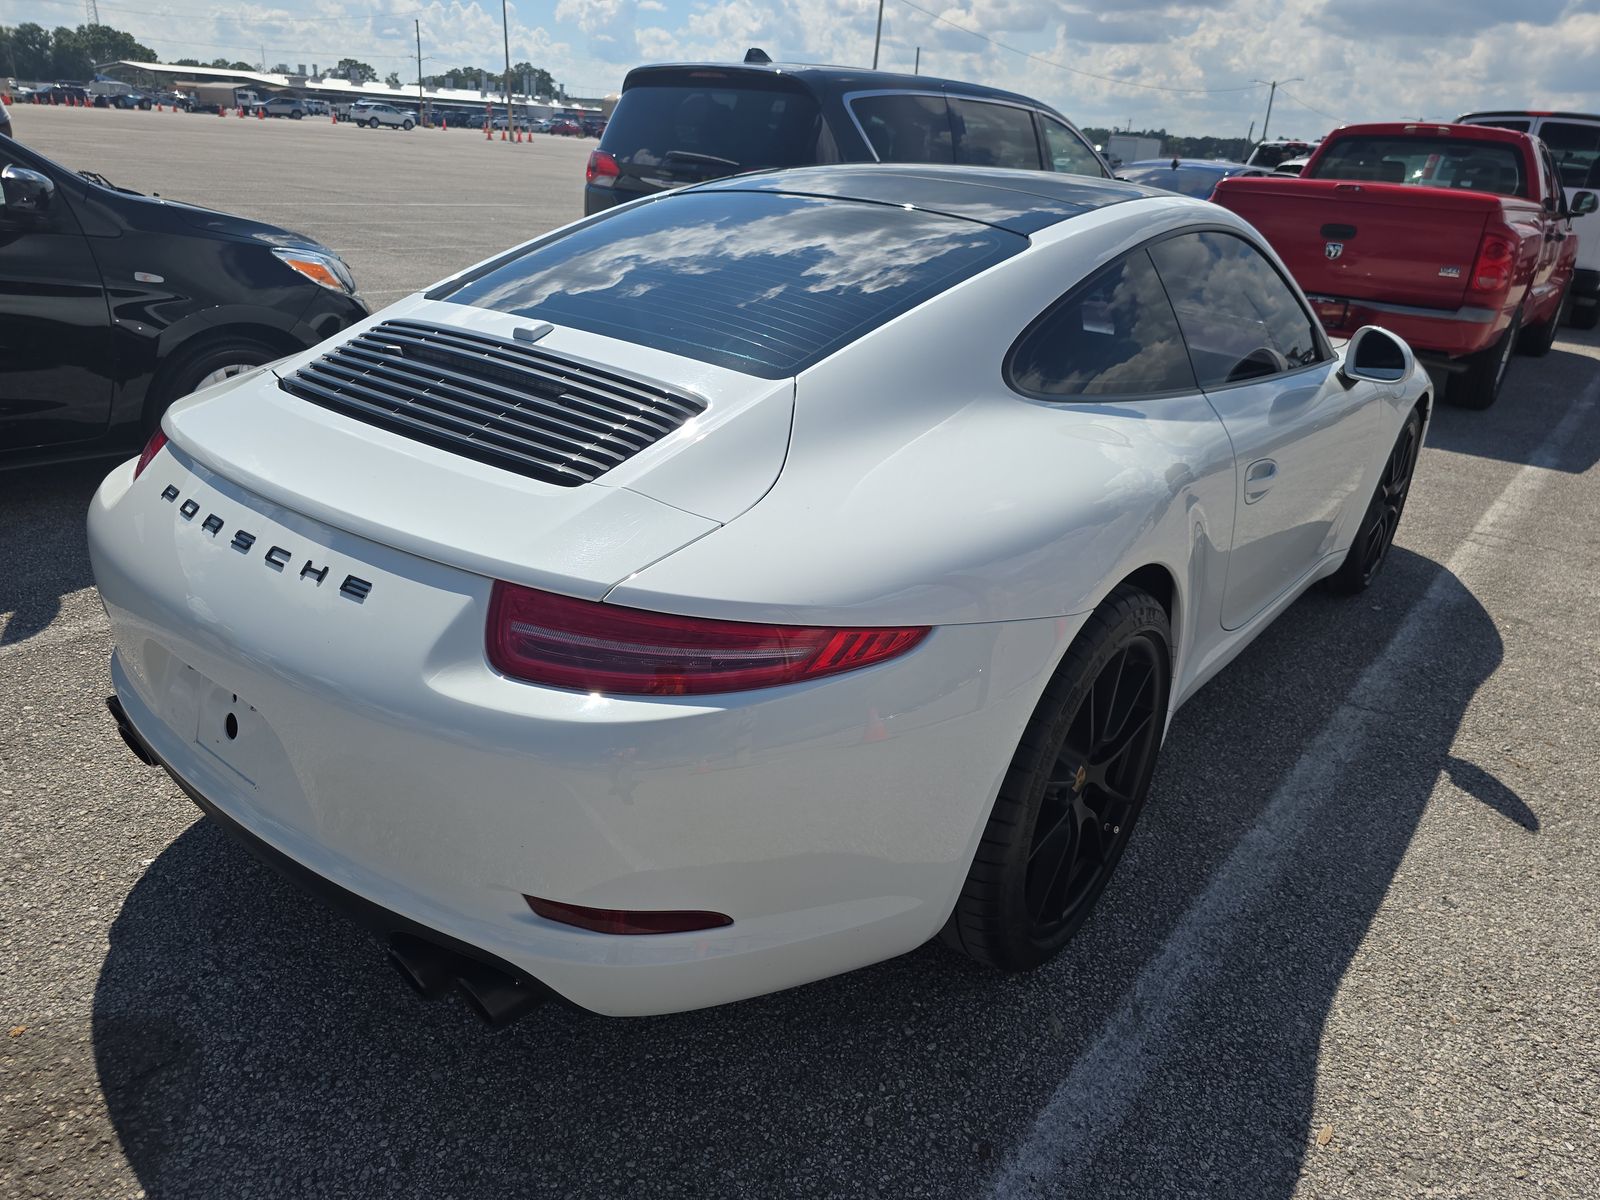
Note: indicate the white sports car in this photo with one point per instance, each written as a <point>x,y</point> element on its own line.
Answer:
<point>745,585</point>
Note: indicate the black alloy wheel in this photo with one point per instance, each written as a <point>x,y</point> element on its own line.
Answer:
<point>1075,787</point>
<point>1370,550</point>
<point>1094,790</point>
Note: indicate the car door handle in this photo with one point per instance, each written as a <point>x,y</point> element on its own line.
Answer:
<point>1258,479</point>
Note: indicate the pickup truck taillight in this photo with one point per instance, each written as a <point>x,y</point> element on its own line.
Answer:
<point>1497,258</point>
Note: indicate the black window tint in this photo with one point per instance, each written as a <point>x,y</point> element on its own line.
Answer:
<point>903,128</point>
<point>760,282</point>
<point>1239,317</point>
<point>1198,182</point>
<point>993,135</point>
<point>1115,336</point>
<point>695,133</point>
<point>1445,162</point>
<point>1066,152</point>
<point>1520,125</point>
<point>1576,149</point>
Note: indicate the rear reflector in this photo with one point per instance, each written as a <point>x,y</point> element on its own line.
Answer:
<point>622,920</point>
<point>151,449</point>
<point>544,638</point>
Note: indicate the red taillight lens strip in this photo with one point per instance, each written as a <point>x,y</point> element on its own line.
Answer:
<point>1497,259</point>
<point>544,638</point>
<point>602,170</point>
<point>623,920</point>
<point>151,449</point>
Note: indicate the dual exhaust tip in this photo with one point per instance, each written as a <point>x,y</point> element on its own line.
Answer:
<point>431,970</point>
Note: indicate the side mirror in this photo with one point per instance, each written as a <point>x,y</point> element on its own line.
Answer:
<point>1376,356</point>
<point>26,193</point>
<point>1584,203</point>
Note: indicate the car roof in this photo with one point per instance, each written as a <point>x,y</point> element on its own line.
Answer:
<point>831,80</point>
<point>1022,202</point>
<point>1526,112</point>
<point>1479,133</point>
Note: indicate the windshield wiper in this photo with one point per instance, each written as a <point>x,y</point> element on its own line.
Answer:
<point>96,177</point>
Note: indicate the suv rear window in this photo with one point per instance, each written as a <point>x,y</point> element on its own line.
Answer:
<point>761,282</point>
<point>1446,162</point>
<point>690,133</point>
<point>1576,150</point>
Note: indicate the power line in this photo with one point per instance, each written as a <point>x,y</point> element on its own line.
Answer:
<point>1049,62</point>
<point>1312,107</point>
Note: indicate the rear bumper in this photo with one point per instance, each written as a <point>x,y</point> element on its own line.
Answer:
<point>1445,333</point>
<point>368,743</point>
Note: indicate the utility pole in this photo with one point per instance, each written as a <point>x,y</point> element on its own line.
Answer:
<point>1272,84</point>
<point>505,25</point>
<point>422,105</point>
<point>91,10</point>
<point>917,67</point>
<point>877,37</point>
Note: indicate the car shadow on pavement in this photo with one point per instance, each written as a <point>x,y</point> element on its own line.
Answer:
<point>43,551</point>
<point>248,1040</point>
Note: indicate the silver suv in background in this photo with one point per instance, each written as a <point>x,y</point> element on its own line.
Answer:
<point>374,115</point>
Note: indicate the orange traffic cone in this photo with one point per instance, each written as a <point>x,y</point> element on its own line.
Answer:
<point>488,134</point>
<point>444,122</point>
<point>517,136</point>
<point>158,106</point>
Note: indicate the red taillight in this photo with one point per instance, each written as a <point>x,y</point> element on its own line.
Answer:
<point>623,920</point>
<point>1497,258</point>
<point>151,449</point>
<point>602,170</point>
<point>588,647</point>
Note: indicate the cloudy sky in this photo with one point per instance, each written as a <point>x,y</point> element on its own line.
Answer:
<point>1194,60</point>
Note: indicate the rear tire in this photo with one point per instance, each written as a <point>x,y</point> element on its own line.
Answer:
<point>1585,316</point>
<point>1479,386</point>
<point>1369,550</point>
<point>1537,340</point>
<point>1073,792</point>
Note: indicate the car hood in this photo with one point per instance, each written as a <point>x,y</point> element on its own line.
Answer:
<point>429,501</point>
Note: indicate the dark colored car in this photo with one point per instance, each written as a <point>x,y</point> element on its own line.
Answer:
<point>113,305</point>
<point>566,128</point>
<point>62,93</point>
<point>1197,177</point>
<point>684,123</point>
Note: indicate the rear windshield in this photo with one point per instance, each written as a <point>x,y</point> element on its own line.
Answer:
<point>760,282</point>
<point>713,130</point>
<point>1268,155</point>
<point>1446,162</point>
<point>1199,182</point>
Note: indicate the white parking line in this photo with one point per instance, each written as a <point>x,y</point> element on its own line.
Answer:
<point>1094,1099</point>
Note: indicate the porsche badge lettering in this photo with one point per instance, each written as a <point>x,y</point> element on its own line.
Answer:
<point>278,558</point>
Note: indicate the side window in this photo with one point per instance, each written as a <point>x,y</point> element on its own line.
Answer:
<point>1066,152</point>
<point>1576,150</point>
<point>1114,336</point>
<point>1554,197</point>
<point>1240,319</point>
<point>906,128</point>
<point>993,135</point>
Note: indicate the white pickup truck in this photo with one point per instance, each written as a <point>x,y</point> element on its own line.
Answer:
<point>1574,142</point>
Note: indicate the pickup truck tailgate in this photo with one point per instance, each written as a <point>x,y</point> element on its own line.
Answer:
<point>1368,241</point>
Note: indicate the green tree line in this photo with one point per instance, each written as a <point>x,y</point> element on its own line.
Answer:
<point>32,52</point>
<point>1173,146</point>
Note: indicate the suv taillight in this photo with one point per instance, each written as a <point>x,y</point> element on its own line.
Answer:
<point>544,638</point>
<point>602,170</point>
<point>1497,258</point>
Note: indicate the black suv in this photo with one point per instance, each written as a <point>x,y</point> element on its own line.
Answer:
<point>683,123</point>
<point>113,304</point>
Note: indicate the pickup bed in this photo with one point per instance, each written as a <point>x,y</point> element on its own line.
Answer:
<point>1456,237</point>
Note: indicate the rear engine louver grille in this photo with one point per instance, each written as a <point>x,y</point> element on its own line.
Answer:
<point>491,399</point>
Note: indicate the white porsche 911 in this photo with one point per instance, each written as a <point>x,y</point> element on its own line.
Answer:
<point>748,584</point>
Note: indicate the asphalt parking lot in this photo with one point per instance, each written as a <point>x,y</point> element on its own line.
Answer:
<point>1352,951</point>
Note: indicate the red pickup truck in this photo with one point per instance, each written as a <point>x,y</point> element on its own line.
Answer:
<point>1456,237</point>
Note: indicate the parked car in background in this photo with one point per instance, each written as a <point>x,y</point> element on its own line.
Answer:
<point>1270,154</point>
<point>593,126</point>
<point>1197,177</point>
<point>1573,140</point>
<point>291,107</point>
<point>1457,237</point>
<point>177,100</point>
<point>62,93</point>
<point>564,127</point>
<point>686,123</point>
<point>386,115</point>
<point>147,300</point>
<point>645,714</point>
<point>123,100</point>
<point>1290,166</point>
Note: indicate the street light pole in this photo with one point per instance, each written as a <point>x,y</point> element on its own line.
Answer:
<point>505,26</point>
<point>1272,84</point>
<point>877,37</point>
<point>422,105</point>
